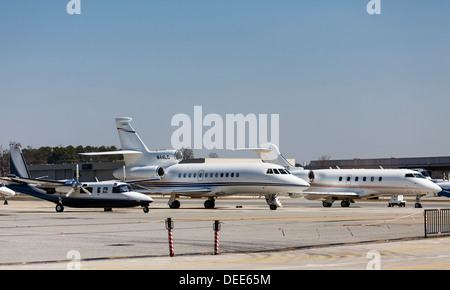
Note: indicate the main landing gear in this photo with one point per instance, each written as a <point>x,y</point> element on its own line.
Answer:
<point>210,203</point>
<point>60,208</point>
<point>329,202</point>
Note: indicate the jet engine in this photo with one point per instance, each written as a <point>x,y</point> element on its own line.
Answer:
<point>138,173</point>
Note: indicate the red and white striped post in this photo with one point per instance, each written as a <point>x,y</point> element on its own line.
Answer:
<point>216,227</point>
<point>169,227</point>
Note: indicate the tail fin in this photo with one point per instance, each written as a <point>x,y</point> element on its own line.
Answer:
<point>129,139</point>
<point>134,151</point>
<point>18,167</point>
<point>269,153</point>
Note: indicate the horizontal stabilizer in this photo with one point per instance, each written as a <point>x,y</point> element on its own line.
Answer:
<point>124,152</point>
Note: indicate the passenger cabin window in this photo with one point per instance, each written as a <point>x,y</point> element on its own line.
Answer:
<point>340,178</point>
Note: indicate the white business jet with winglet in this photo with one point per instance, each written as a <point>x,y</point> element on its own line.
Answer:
<point>72,193</point>
<point>163,174</point>
<point>6,192</point>
<point>347,185</point>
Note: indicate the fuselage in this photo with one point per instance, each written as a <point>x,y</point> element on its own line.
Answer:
<point>218,179</point>
<point>368,182</point>
<point>112,193</point>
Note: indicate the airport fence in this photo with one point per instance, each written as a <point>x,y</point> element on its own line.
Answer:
<point>437,222</point>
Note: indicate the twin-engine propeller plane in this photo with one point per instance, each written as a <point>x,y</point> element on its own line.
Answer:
<point>347,185</point>
<point>73,193</point>
<point>165,175</point>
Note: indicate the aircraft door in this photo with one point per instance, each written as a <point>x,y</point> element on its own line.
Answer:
<point>200,175</point>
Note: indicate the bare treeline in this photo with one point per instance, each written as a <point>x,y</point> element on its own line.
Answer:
<point>58,155</point>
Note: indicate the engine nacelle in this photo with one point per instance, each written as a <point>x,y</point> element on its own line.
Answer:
<point>137,173</point>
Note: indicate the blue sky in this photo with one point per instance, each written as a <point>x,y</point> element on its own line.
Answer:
<point>344,83</point>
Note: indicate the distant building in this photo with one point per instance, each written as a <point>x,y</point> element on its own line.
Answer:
<point>88,171</point>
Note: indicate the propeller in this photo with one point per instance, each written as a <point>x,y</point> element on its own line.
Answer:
<point>76,184</point>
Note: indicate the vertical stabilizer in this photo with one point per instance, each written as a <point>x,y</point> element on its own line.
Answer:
<point>270,154</point>
<point>135,153</point>
<point>18,167</point>
<point>129,139</point>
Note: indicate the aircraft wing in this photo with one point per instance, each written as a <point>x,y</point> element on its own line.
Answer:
<point>39,182</point>
<point>337,194</point>
<point>181,190</point>
<point>124,152</point>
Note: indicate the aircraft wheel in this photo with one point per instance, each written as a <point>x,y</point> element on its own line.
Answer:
<point>326,204</point>
<point>145,209</point>
<point>345,203</point>
<point>209,204</point>
<point>418,205</point>
<point>59,207</point>
<point>175,204</point>
<point>273,207</point>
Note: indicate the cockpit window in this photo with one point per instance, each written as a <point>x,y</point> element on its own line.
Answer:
<point>414,175</point>
<point>277,171</point>
<point>122,188</point>
<point>125,188</point>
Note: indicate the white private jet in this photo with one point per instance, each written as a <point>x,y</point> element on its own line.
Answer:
<point>164,175</point>
<point>6,192</point>
<point>72,193</point>
<point>350,184</point>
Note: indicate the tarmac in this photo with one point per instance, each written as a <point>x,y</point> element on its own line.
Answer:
<point>300,235</point>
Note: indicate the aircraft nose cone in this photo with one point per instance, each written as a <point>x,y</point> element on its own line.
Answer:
<point>303,183</point>
<point>147,198</point>
<point>435,188</point>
